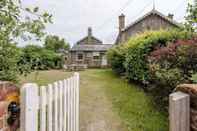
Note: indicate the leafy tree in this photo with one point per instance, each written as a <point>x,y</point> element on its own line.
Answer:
<point>191,17</point>
<point>14,24</point>
<point>55,43</point>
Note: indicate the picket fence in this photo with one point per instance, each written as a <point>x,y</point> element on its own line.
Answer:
<point>51,108</point>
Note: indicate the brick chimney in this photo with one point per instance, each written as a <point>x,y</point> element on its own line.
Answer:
<point>89,35</point>
<point>171,16</point>
<point>121,22</point>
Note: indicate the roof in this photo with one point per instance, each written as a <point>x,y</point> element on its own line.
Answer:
<point>102,47</point>
<point>153,12</point>
<point>92,37</point>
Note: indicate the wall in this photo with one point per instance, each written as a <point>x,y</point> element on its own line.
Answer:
<point>8,93</point>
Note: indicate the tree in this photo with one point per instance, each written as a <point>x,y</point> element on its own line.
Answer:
<point>191,17</point>
<point>14,24</point>
<point>39,58</point>
<point>56,44</point>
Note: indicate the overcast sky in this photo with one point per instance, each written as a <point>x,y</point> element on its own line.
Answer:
<point>72,17</point>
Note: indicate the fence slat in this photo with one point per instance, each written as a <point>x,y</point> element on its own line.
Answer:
<point>74,103</point>
<point>29,107</point>
<point>42,108</point>
<point>50,108</point>
<point>65,105</point>
<point>55,107</point>
<point>77,100</point>
<point>179,112</point>
<point>69,105</point>
<point>60,83</point>
<point>72,109</point>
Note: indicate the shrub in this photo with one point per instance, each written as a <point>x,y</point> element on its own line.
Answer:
<point>181,54</point>
<point>116,58</point>
<point>194,78</point>
<point>172,65</point>
<point>139,48</point>
<point>40,58</point>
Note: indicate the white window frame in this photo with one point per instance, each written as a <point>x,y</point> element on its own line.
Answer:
<point>78,56</point>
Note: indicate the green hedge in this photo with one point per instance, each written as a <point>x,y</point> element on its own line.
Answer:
<point>116,58</point>
<point>130,57</point>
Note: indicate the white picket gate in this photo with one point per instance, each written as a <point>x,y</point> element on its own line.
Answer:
<point>51,108</point>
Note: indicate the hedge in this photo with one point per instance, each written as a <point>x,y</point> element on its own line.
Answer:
<point>130,57</point>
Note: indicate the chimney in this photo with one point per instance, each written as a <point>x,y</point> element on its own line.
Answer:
<point>89,31</point>
<point>170,16</point>
<point>89,35</point>
<point>121,22</point>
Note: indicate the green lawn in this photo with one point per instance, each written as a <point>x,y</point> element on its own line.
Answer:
<point>108,103</point>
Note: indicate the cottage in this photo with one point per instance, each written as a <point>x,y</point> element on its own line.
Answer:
<point>153,20</point>
<point>90,51</point>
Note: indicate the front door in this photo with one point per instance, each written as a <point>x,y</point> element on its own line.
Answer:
<point>104,61</point>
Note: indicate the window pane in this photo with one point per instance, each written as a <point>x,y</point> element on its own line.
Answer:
<point>80,56</point>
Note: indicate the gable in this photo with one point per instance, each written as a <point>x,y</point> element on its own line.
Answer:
<point>89,40</point>
<point>156,17</point>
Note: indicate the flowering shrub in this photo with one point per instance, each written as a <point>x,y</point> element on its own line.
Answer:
<point>139,48</point>
<point>172,65</point>
<point>181,54</point>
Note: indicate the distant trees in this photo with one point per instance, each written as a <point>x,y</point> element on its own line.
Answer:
<point>56,44</point>
<point>40,58</point>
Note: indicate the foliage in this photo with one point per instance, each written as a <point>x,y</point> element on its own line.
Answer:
<point>194,78</point>
<point>40,58</point>
<point>139,48</point>
<point>13,26</point>
<point>55,44</point>
<point>172,65</point>
<point>181,54</point>
<point>191,18</point>
<point>116,58</point>
<point>9,56</point>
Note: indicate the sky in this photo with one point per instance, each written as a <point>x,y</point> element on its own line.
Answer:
<point>71,18</point>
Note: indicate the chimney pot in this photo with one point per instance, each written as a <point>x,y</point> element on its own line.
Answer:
<point>171,16</point>
<point>89,31</point>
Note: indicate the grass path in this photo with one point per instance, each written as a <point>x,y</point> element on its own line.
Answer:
<point>108,103</point>
<point>95,108</point>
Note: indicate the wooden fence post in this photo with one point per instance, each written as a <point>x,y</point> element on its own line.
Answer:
<point>179,112</point>
<point>29,107</point>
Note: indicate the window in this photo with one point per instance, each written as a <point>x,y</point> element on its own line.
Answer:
<point>80,57</point>
<point>95,57</point>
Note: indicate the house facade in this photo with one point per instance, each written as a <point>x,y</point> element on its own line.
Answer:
<point>153,20</point>
<point>90,51</point>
